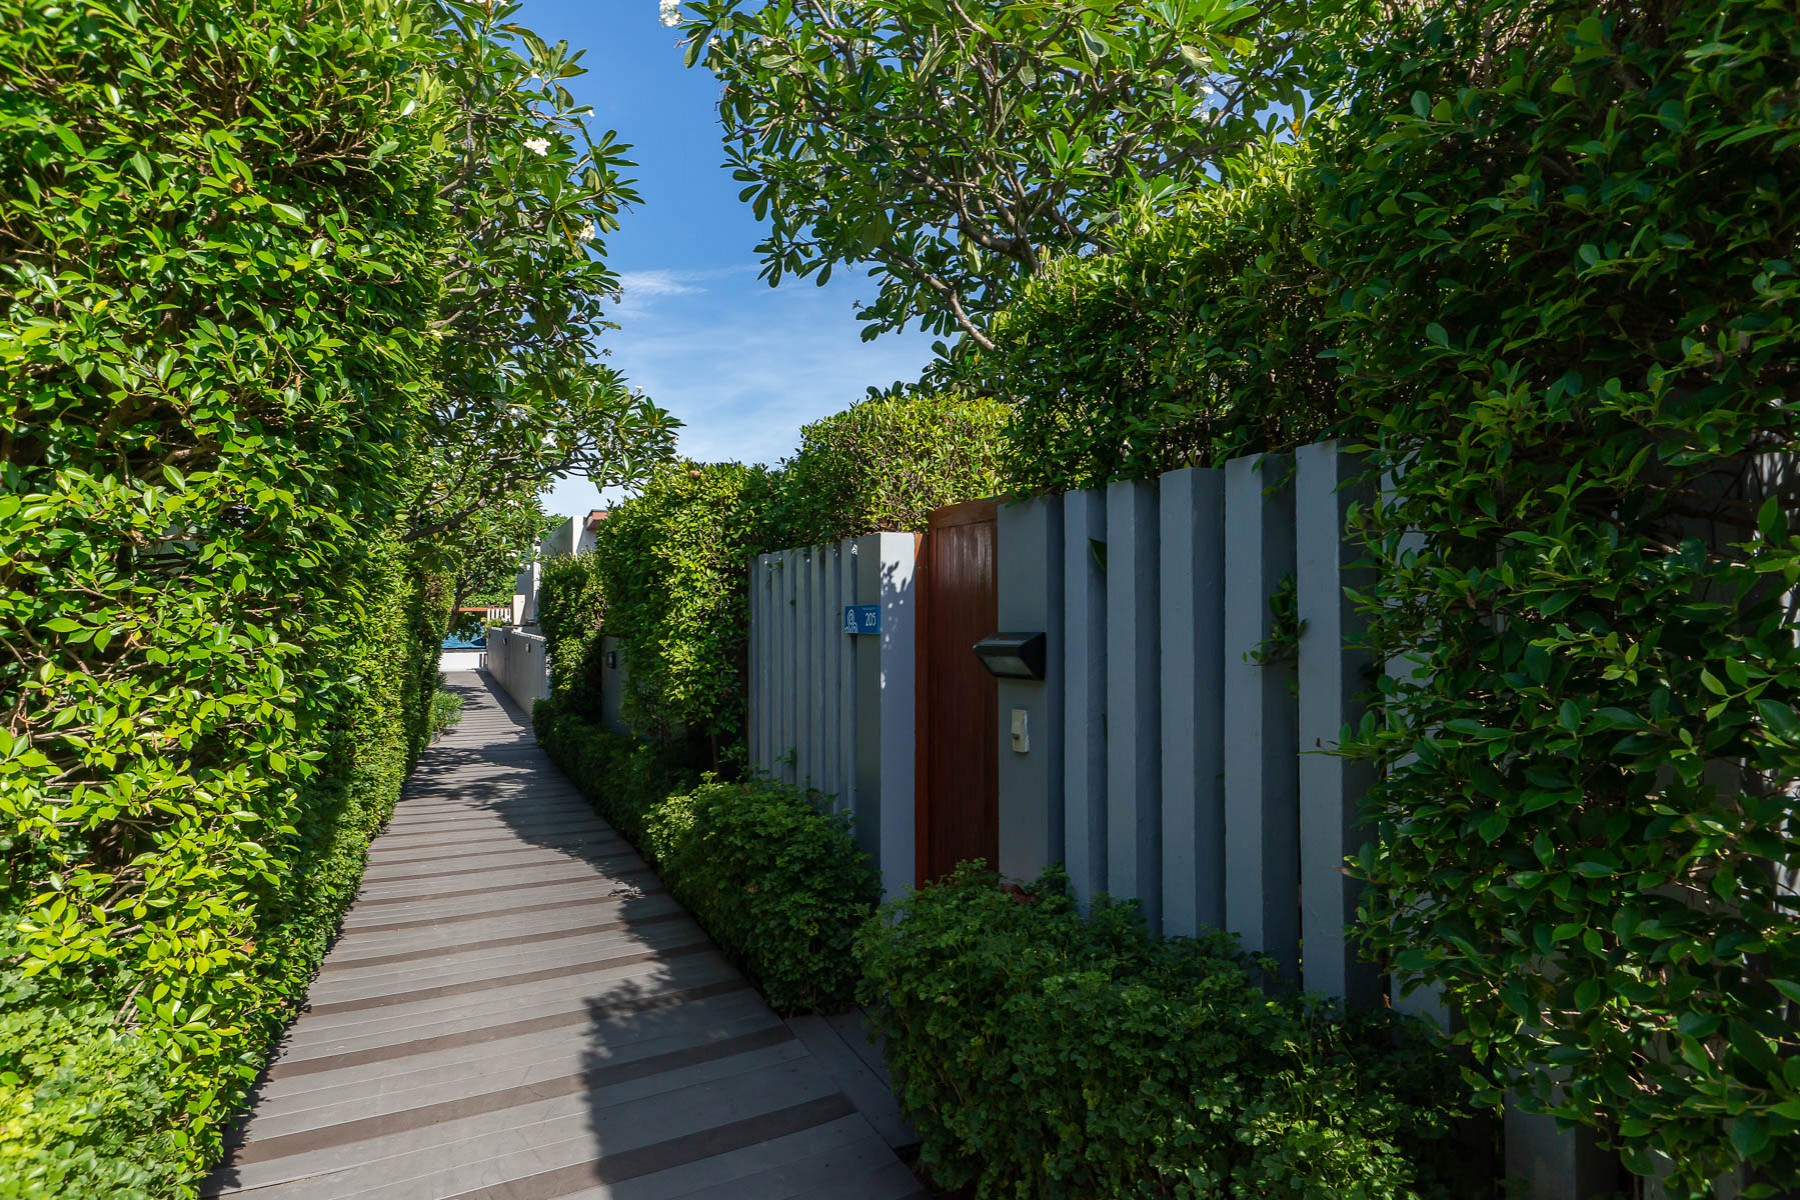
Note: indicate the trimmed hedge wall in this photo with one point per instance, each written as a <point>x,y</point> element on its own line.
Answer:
<point>213,344</point>
<point>1195,340</point>
<point>1568,317</point>
<point>1047,1056</point>
<point>570,610</point>
<point>883,464</point>
<point>779,884</point>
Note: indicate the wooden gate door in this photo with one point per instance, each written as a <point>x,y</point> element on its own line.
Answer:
<point>957,805</point>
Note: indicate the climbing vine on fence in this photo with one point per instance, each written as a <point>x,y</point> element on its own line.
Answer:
<point>1570,318</point>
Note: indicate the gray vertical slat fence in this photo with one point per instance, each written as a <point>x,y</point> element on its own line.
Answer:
<point>1192,520</point>
<point>1262,836</point>
<point>1084,693</point>
<point>1167,763</point>
<point>1133,698</point>
<point>831,711</point>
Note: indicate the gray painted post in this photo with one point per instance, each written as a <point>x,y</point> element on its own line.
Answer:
<point>1334,663</point>
<point>1262,835</point>
<point>846,691</point>
<point>815,698</point>
<point>867,652</point>
<point>755,710</point>
<point>1555,1164</point>
<point>1193,700</point>
<point>771,660</point>
<point>1029,550</point>
<point>1084,693</point>
<point>896,554</point>
<point>790,664</point>
<point>1133,698</point>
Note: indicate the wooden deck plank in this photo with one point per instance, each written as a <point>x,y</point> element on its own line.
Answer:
<point>516,1009</point>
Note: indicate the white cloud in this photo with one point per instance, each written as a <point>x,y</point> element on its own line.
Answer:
<point>647,284</point>
<point>744,366</point>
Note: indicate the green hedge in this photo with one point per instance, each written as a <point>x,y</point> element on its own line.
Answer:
<point>1196,339</point>
<point>1568,316</point>
<point>673,568</point>
<point>1044,1055</point>
<point>780,885</point>
<point>625,777</point>
<point>570,608</point>
<point>670,567</point>
<point>214,346</point>
<point>883,464</point>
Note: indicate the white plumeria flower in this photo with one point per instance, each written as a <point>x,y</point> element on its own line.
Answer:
<point>588,231</point>
<point>670,12</point>
<point>538,146</point>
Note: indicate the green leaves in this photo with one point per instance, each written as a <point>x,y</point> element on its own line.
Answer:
<point>953,148</point>
<point>230,315</point>
<point>1586,794</point>
<point>1042,1052</point>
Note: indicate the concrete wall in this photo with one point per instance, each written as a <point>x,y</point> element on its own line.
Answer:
<point>830,710</point>
<point>520,664</point>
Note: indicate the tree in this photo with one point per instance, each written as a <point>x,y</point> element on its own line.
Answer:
<point>952,145</point>
<point>528,194</point>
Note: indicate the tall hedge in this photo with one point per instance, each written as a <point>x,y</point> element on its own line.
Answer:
<point>673,568</point>
<point>216,275</point>
<point>670,567</point>
<point>570,610</point>
<point>1568,318</point>
<point>884,463</point>
<point>1196,339</point>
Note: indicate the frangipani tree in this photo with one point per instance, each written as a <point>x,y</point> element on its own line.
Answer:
<point>529,193</point>
<point>951,145</point>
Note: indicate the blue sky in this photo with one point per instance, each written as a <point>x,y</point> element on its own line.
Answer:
<point>743,364</point>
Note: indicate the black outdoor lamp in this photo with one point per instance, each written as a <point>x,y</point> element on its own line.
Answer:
<point>1012,655</point>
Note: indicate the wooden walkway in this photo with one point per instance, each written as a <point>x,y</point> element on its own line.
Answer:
<point>517,1010</point>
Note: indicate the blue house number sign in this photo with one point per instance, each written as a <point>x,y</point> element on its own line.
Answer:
<point>862,618</point>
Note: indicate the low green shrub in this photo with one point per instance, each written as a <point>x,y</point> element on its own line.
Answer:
<point>446,710</point>
<point>1043,1054</point>
<point>780,885</point>
<point>623,776</point>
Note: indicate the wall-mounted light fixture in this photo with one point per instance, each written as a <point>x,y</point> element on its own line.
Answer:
<point>612,660</point>
<point>1012,655</point>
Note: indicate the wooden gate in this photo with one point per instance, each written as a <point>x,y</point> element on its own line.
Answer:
<point>957,732</point>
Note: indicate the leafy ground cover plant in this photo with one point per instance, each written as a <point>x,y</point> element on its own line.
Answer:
<point>1044,1054</point>
<point>446,710</point>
